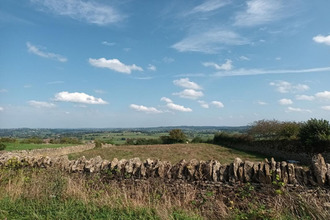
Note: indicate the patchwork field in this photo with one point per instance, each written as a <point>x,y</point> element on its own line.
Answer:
<point>173,153</point>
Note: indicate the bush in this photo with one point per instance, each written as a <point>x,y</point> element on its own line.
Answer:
<point>315,135</point>
<point>98,144</point>
<point>2,146</point>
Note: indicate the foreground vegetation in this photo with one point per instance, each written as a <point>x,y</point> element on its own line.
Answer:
<point>54,194</point>
<point>171,152</point>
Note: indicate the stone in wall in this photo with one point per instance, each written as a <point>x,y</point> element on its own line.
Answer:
<point>319,169</point>
<point>248,171</point>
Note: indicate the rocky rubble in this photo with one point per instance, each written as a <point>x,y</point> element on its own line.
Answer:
<point>264,172</point>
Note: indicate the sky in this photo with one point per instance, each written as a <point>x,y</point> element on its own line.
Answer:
<point>147,63</point>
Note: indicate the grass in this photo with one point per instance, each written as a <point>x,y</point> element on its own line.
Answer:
<point>19,146</point>
<point>173,153</point>
<point>54,194</point>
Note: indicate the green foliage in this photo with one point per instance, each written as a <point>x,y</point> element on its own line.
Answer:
<point>7,140</point>
<point>223,138</point>
<point>315,135</point>
<point>98,144</point>
<point>2,146</point>
<point>32,140</point>
<point>143,141</point>
<point>175,136</point>
<point>65,140</point>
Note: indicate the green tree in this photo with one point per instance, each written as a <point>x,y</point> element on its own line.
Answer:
<point>315,135</point>
<point>177,136</point>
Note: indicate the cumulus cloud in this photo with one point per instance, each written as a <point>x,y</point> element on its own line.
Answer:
<point>38,51</point>
<point>114,64</point>
<point>305,97</point>
<point>291,109</point>
<point>286,87</point>
<point>323,95</point>
<point>179,108</point>
<point>77,97</point>
<point>176,107</point>
<point>218,104</point>
<point>87,11</point>
<point>327,108</point>
<point>38,104</point>
<point>285,102</point>
<point>142,108</point>
<point>225,66</point>
<point>166,100</point>
<point>259,12</point>
<point>189,94</point>
<point>203,104</point>
<point>210,41</point>
<point>186,83</point>
<point>152,67</point>
<point>322,39</point>
<point>1,109</point>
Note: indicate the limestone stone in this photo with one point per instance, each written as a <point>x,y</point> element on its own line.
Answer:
<point>328,173</point>
<point>248,172</point>
<point>291,174</point>
<point>233,177</point>
<point>319,169</point>
<point>215,170</point>
<point>284,172</point>
<point>223,173</point>
<point>191,167</point>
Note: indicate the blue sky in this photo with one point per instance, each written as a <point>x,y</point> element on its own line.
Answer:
<point>129,63</point>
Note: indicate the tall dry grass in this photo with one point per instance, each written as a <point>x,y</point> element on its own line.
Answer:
<point>167,200</point>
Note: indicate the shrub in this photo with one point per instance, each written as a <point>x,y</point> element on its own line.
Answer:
<point>315,135</point>
<point>98,144</point>
<point>2,146</point>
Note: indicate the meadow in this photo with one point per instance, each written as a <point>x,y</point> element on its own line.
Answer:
<point>23,146</point>
<point>172,152</point>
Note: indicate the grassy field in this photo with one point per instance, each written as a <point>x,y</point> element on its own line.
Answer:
<point>19,146</point>
<point>173,153</point>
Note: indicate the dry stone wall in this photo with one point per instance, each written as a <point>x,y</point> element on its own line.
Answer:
<point>265,172</point>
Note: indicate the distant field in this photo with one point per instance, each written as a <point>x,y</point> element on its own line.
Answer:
<point>173,153</point>
<point>19,146</point>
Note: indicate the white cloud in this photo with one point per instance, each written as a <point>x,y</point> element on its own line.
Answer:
<point>77,97</point>
<point>285,102</point>
<point>189,94</point>
<point>110,44</point>
<point>327,108</point>
<point>55,82</point>
<point>152,67</point>
<point>88,11</point>
<point>171,105</point>
<point>209,5</point>
<point>203,104</point>
<point>38,104</point>
<point>37,51</point>
<point>209,42</point>
<point>225,66</point>
<point>259,12</point>
<point>186,83</point>
<point>252,72</point>
<point>3,90</point>
<point>176,107</point>
<point>166,100</point>
<point>218,104</point>
<point>261,103</point>
<point>322,39</point>
<point>286,87</point>
<point>114,64</point>
<point>291,109</point>
<point>323,95</point>
<point>244,58</point>
<point>141,108</point>
<point>168,60</point>
<point>305,97</point>
<point>1,109</point>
